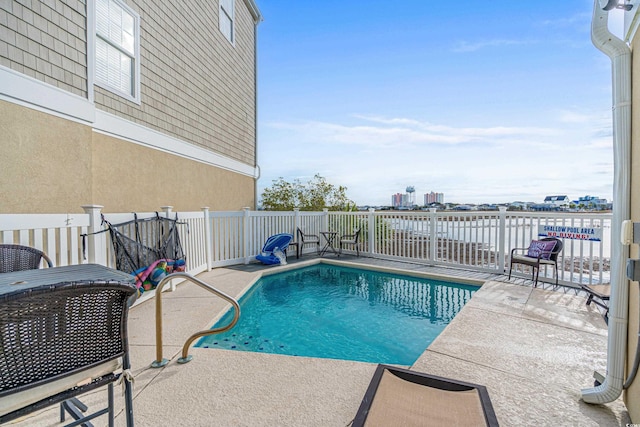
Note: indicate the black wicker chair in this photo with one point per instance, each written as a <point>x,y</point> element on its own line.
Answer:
<point>59,341</point>
<point>18,258</point>
<point>543,258</point>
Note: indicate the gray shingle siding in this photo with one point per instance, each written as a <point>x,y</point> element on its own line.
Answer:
<point>46,40</point>
<point>194,84</point>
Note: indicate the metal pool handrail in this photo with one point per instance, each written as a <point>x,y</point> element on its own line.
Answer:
<point>160,361</point>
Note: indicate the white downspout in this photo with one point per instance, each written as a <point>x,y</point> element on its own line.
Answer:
<point>257,170</point>
<point>620,55</point>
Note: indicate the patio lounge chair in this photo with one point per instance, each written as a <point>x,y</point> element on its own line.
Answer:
<point>399,397</point>
<point>599,295</point>
<point>306,239</point>
<point>350,239</point>
<point>275,243</point>
<point>18,258</point>
<point>539,253</point>
<point>60,341</point>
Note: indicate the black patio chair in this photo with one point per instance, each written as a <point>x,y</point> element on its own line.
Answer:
<point>305,239</point>
<point>539,253</point>
<point>18,258</point>
<point>352,240</point>
<point>61,340</point>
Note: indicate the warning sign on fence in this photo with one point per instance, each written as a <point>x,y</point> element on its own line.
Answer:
<point>566,232</point>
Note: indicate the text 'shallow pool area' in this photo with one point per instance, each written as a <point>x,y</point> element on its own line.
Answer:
<point>342,313</point>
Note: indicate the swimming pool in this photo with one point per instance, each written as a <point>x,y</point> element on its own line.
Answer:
<point>338,312</point>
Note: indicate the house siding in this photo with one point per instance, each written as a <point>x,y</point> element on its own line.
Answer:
<point>190,141</point>
<point>195,85</point>
<point>46,41</point>
<point>59,165</point>
<point>632,394</point>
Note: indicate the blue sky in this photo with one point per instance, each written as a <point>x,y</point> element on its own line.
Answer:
<point>482,101</point>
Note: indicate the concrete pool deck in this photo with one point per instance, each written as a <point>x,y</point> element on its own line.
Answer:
<point>534,349</point>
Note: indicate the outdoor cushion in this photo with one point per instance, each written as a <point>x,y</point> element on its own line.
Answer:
<point>24,398</point>
<point>542,249</point>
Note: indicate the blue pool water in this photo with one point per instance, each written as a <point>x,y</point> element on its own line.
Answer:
<point>342,313</point>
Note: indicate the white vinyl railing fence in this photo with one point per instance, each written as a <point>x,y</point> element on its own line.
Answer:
<point>473,240</point>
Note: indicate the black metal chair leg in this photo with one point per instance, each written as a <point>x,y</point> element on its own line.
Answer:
<point>110,403</point>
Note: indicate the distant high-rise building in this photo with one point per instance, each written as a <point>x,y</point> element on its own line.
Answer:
<point>433,198</point>
<point>407,200</point>
<point>396,200</point>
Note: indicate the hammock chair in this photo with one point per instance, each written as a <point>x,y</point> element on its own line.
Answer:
<point>147,247</point>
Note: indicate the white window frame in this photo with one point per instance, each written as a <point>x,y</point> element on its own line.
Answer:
<point>230,14</point>
<point>134,96</point>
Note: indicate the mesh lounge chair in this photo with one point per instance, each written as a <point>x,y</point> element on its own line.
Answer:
<point>399,397</point>
<point>18,258</point>
<point>599,295</point>
<point>60,341</point>
<point>350,239</point>
<point>306,239</point>
<point>272,245</point>
<point>539,253</point>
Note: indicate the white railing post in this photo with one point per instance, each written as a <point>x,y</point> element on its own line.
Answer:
<point>245,235</point>
<point>502,235</point>
<point>208,238</point>
<point>167,214</point>
<point>96,243</point>
<point>372,231</point>
<point>296,222</point>
<point>433,235</point>
<point>325,219</point>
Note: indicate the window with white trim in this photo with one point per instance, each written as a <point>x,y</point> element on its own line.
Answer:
<point>117,49</point>
<point>227,19</point>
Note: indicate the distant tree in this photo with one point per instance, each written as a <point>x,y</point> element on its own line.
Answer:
<point>315,195</point>
<point>281,196</point>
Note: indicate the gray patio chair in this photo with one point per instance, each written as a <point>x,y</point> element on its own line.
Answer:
<point>350,239</point>
<point>539,253</point>
<point>18,258</point>
<point>305,239</point>
<point>62,340</point>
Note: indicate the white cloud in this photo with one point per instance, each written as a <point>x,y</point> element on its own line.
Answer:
<point>406,132</point>
<point>569,21</point>
<point>574,117</point>
<point>466,46</point>
<point>375,157</point>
